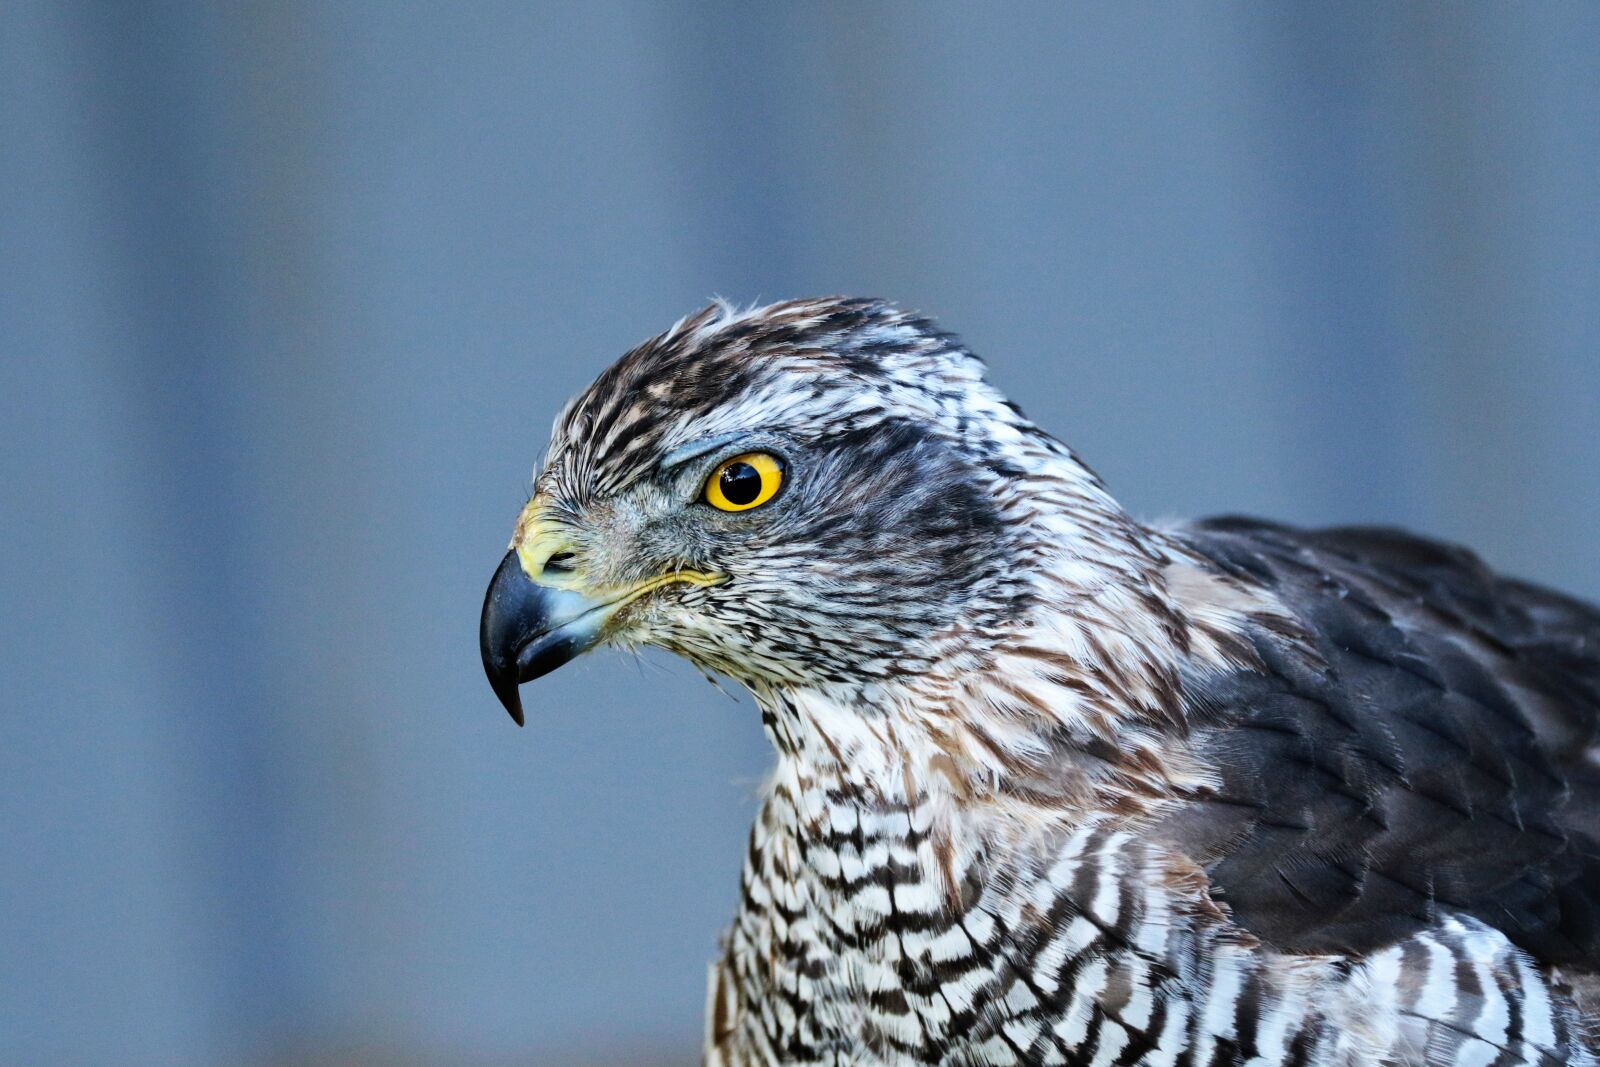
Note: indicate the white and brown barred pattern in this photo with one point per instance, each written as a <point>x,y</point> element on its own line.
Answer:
<point>956,861</point>
<point>864,938</point>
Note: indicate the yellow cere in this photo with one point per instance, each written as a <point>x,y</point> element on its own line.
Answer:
<point>744,482</point>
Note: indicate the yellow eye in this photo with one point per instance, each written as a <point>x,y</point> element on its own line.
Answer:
<point>744,482</point>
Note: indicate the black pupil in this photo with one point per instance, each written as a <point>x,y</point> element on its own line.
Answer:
<point>741,484</point>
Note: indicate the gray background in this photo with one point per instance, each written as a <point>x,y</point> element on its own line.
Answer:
<point>292,291</point>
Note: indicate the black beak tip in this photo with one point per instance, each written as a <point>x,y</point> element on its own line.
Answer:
<point>504,683</point>
<point>512,699</point>
<point>529,630</point>
<point>500,632</point>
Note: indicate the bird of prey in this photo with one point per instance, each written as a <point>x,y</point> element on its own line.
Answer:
<point>1054,785</point>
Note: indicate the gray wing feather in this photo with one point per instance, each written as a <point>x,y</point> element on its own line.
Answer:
<point>1437,752</point>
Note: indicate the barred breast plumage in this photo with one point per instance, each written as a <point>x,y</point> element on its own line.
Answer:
<point>1257,918</point>
<point>1054,786</point>
<point>1091,947</point>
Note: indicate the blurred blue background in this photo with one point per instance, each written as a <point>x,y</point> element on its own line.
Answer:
<point>293,290</point>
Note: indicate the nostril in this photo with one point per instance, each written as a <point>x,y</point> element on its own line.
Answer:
<point>561,562</point>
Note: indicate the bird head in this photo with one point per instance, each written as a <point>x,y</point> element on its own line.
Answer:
<point>810,494</point>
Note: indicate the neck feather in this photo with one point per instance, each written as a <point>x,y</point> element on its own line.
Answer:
<point>1072,706</point>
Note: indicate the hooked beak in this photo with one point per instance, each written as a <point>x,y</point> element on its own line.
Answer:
<point>529,629</point>
<point>537,618</point>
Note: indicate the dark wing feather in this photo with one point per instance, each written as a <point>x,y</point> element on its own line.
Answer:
<point>1434,748</point>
